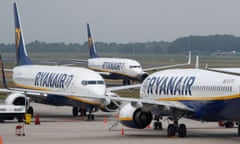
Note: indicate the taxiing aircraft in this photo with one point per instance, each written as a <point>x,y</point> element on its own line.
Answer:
<point>118,68</point>
<point>49,84</point>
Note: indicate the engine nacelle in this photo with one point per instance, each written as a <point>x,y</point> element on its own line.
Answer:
<point>142,76</point>
<point>135,117</point>
<point>112,107</point>
<point>17,99</point>
<point>109,105</point>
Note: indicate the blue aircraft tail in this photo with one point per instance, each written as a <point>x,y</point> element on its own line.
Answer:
<point>21,54</point>
<point>91,44</point>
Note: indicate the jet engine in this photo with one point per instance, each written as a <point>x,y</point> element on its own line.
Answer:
<point>142,76</point>
<point>135,117</point>
<point>110,105</point>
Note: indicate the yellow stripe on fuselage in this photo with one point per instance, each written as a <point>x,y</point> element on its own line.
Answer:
<point>191,98</point>
<point>46,89</point>
<point>31,87</point>
<point>82,100</point>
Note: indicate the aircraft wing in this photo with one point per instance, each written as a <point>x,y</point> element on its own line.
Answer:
<point>8,70</point>
<point>177,106</point>
<point>104,73</point>
<point>116,88</point>
<point>77,60</point>
<point>164,105</point>
<point>170,66</point>
<point>43,94</point>
<point>232,71</point>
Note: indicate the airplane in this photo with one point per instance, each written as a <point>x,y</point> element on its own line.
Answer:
<point>118,68</point>
<point>47,84</point>
<point>190,93</point>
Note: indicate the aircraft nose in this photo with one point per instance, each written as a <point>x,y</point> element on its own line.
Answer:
<point>100,90</point>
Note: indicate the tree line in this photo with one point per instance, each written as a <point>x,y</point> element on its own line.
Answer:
<point>198,44</point>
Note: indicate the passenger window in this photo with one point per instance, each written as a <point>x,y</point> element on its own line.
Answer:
<point>84,82</point>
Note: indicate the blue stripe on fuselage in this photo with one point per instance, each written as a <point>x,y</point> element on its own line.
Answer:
<point>64,101</point>
<point>215,110</point>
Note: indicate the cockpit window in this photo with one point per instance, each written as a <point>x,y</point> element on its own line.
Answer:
<point>138,66</point>
<point>92,82</point>
<point>100,82</point>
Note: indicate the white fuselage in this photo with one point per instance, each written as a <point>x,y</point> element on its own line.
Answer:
<point>79,81</point>
<point>177,84</point>
<point>213,96</point>
<point>125,67</point>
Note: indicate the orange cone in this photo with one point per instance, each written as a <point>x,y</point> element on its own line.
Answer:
<point>148,126</point>
<point>37,119</point>
<point>105,120</point>
<point>122,131</point>
<point>117,116</point>
<point>1,142</point>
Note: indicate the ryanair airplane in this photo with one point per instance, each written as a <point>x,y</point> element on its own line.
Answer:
<point>191,93</point>
<point>118,68</point>
<point>54,85</point>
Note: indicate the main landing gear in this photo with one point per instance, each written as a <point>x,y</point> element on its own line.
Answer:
<point>126,81</point>
<point>157,125</point>
<point>172,129</point>
<point>84,112</point>
<point>175,128</point>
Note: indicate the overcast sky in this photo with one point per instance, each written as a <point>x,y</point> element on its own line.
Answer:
<point>120,21</point>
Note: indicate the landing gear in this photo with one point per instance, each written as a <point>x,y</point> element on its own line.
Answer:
<point>182,130</point>
<point>157,124</point>
<point>30,110</point>
<point>175,128</point>
<point>75,111</point>
<point>126,81</point>
<point>84,112</point>
<point>238,129</point>
<point>91,117</point>
<point>229,124</point>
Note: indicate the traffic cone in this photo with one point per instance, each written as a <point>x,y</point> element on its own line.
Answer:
<point>122,131</point>
<point>1,142</point>
<point>37,119</point>
<point>105,120</point>
<point>148,126</point>
<point>117,116</point>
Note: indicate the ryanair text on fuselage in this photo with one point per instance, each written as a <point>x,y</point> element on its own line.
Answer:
<point>169,85</point>
<point>53,80</point>
<point>112,66</point>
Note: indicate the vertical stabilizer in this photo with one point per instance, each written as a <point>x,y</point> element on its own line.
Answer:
<point>21,54</point>
<point>91,44</point>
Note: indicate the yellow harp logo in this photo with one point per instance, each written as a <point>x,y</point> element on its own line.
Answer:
<point>17,37</point>
<point>90,42</point>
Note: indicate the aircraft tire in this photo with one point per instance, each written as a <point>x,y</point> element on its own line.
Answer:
<point>182,131</point>
<point>238,129</point>
<point>157,125</point>
<point>171,131</point>
<point>75,111</point>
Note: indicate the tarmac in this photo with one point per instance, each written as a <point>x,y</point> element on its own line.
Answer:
<point>57,126</point>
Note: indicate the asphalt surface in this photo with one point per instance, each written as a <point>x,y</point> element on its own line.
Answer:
<point>57,126</point>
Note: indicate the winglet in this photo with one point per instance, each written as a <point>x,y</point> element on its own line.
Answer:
<point>91,44</point>
<point>21,54</point>
<point>197,62</point>
<point>3,73</point>
<point>189,57</point>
